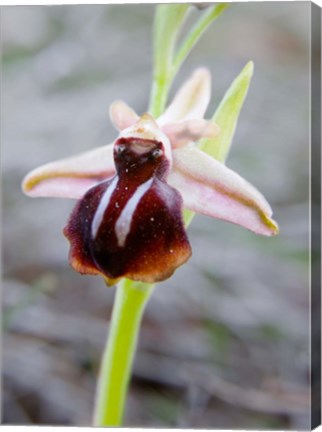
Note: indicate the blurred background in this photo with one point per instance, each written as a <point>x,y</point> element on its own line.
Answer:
<point>225,342</point>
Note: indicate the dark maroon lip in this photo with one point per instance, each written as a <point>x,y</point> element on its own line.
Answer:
<point>155,245</point>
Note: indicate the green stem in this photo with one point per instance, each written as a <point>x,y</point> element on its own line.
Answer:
<point>195,34</point>
<point>159,93</point>
<point>168,21</point>
<point>131,298</point>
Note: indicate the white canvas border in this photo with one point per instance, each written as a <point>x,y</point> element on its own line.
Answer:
<point>86,2</point>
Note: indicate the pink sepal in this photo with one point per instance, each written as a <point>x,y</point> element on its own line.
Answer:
<point>70,177</point>
<point>209,187</point>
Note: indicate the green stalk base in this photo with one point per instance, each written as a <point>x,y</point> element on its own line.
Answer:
<point>131,298</point>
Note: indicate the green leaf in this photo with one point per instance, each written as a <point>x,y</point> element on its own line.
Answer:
<point>226,115</point>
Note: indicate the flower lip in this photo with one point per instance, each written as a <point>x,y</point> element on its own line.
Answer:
<point>119,229</point>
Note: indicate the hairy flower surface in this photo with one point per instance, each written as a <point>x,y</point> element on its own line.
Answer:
<point>128,220</point>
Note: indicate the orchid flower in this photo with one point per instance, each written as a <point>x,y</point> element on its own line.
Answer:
<point>128,220</point>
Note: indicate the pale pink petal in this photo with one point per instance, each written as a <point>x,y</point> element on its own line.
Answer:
<point>182,133</point>
<point>209,187</point>
<point>70,177</point>
<point>122,116</point>
<point>191,100</point>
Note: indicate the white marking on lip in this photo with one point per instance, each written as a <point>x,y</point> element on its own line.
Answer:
<point>141,147</point>
<point>105,200</point>
<point>123,224</point>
